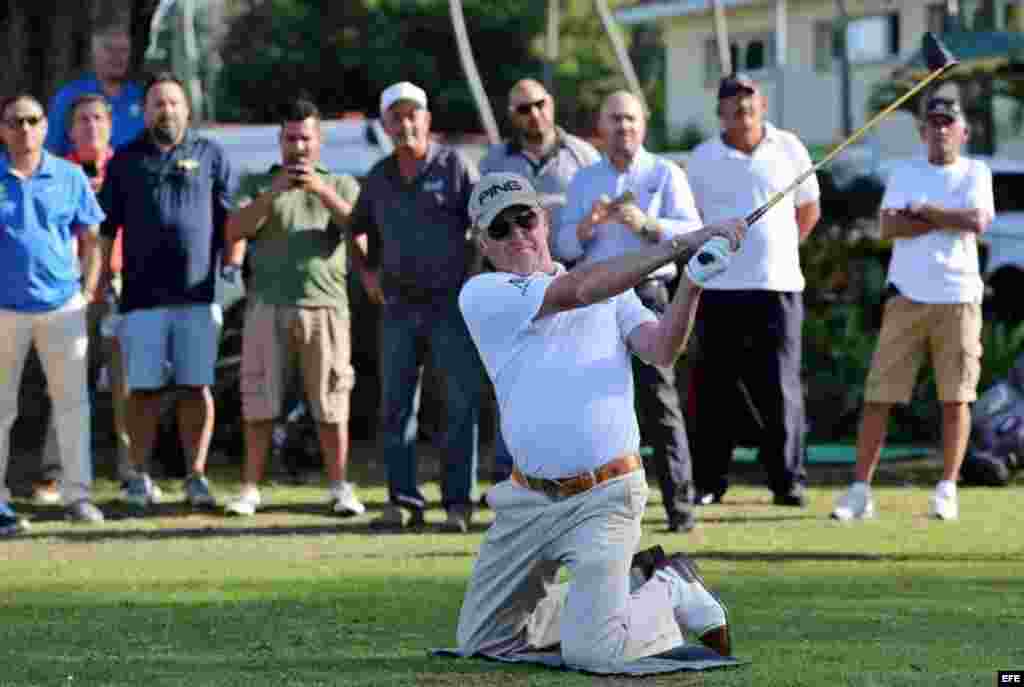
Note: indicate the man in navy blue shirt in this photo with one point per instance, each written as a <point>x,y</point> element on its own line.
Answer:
<point>111,55</point>
<point>45,203</point>
<point>412,216</point>
<point>170,191</point>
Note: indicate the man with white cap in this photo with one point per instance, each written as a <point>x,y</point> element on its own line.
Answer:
<point>413,209</point>
<point>557,346</point>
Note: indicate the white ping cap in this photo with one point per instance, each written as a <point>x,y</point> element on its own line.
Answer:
<point>497,191</point>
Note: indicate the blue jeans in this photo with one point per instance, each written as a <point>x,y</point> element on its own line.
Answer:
<point>406,329</point>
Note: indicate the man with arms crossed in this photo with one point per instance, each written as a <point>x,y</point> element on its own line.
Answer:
<point>297,318</point>
<point>934,210</point>
<point>556,344</point>
<point>594,228</point>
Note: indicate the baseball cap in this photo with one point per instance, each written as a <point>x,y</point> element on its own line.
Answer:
<point>734,84</point>
<point>403,90</point>
<point>497,191</point>
<point>943,106</point>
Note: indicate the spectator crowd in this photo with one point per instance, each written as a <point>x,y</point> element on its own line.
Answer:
<point>117,219</point>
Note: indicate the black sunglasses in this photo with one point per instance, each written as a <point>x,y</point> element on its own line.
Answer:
<point>526,108</point>
<point>18,122</point>
<point>502,229</point>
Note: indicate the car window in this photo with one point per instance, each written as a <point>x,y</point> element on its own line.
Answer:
<point>1008,190</point>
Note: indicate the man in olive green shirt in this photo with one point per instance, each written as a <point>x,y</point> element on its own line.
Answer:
<point>297,319</point>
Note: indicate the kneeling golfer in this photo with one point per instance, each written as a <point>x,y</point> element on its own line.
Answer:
<point>556,345</point>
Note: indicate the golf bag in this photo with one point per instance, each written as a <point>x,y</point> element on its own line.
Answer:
<point>996,447</point>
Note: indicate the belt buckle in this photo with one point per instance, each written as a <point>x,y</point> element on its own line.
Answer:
<point>551,488</point>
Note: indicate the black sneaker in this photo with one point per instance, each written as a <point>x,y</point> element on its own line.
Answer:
<point>795,497</point>
<point>682,521</point>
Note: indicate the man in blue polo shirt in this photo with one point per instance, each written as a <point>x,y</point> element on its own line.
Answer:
<point>111,54</point>
<point>45,203</point>
<point>170,191</point>
<point>412,215</point>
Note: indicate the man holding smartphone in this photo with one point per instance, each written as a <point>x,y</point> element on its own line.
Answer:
<point>297,319</point>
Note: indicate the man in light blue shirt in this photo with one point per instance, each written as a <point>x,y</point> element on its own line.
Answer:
<point>111,53</point>
<point>626,201</point>
<point>45,204</point>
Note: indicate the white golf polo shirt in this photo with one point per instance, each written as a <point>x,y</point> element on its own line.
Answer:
<point>940,266</point>
<point>728,183</point>
<point>564,383</point>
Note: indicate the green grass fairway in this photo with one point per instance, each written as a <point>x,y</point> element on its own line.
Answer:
<point>294,597</point>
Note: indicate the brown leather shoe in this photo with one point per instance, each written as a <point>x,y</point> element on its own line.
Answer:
<point>717,638</point>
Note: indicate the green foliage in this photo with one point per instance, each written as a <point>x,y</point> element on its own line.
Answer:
<point>686,138</point>
<point>1001,344</point>
<point>344,54</point>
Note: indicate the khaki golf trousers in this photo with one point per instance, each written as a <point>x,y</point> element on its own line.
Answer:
<point>60,339</point>
<point>515,604</point>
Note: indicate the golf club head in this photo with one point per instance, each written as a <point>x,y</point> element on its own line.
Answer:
<point>936,55</point>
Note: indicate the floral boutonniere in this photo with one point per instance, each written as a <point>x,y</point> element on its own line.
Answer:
<point>187,165</point>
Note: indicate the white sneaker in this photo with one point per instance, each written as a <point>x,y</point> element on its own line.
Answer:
<point>944,506</point>
<point>344,501</point>
<point>245,504</point>
<point>854,504</point>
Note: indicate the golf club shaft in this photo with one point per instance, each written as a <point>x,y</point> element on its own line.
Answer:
<point>760,212</point>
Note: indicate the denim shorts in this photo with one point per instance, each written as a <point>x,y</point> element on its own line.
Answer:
<point>173,345</point>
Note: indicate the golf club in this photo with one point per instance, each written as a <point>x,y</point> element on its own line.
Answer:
<point>938,59</point>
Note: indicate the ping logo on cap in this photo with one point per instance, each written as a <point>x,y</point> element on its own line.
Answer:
<point>495,189</point>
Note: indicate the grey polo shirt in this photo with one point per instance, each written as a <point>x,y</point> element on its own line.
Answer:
<point>550,175</point>
<point>418,231</point>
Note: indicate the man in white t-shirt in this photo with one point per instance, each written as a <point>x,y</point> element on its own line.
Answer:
<point>750,320</point>
<point>557,347</point>
<point>933,210</point>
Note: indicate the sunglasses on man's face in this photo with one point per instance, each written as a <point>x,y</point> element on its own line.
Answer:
<point>18,122</point>
<point>501,229</point>
<point>526,108</point>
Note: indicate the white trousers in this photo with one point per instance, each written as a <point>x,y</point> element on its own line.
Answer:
<point>514,603</point>
<point>61,342</point>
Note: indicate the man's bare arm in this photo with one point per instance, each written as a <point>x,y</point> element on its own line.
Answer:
<point>899,224</point>
<point>660,343</point>
<point>91,259</point>
<point>807,216</point>
<point>974,220</point>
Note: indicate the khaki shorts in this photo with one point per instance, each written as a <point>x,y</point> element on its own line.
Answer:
<point>280,343</point>
<point>951,331</point>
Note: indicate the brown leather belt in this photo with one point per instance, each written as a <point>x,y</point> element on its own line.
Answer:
<point>577,484</point>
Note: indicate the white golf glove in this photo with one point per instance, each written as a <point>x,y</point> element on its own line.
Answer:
<point>709,261</point>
